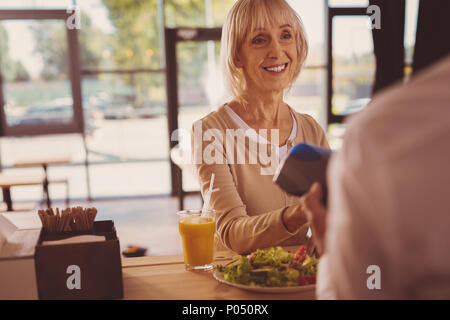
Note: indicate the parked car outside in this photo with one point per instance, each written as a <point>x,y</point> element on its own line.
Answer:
<point>60,111</point>
<point>112,108</point>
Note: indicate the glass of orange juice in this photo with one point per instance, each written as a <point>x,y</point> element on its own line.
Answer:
<point>197,230</point>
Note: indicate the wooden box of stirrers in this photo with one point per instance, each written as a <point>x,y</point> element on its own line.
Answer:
<point>77,257</point>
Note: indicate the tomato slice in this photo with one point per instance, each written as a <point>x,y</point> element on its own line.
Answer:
<point>251,257</point>
<point>300,255</point>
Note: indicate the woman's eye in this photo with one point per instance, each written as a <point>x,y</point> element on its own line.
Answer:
<point>258,40</point>
<point>286,35</point>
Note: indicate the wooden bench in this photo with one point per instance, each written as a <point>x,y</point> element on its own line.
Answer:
<point>61,181</point>
<point>8,180</point>
<point>44,163</point>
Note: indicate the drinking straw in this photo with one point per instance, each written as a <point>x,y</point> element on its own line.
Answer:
<point>309,233</point>
<point>208,194</point>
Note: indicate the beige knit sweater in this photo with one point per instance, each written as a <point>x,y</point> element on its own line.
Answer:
<point>249,204</point>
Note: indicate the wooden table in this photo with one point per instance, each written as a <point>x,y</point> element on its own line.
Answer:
<point>44,163</point>
<point>165,278</point>
<point>8,181</point>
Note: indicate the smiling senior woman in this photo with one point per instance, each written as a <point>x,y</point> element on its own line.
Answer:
<point>263,50</point>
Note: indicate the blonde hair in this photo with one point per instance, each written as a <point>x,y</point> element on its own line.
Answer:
<point>244,16</point>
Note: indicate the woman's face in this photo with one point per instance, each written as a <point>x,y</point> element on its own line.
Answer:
<point>268,57</point>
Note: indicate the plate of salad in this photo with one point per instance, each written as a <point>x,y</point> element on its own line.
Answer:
<point>272,270</point>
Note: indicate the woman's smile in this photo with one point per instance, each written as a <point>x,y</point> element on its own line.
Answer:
<point>276,69</point>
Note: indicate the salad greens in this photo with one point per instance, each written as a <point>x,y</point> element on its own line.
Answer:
<point>273,267</point>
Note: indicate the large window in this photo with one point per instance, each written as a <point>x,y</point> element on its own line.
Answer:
<point>200,89</point>
<point>123,95</point>
<point>39,74</point>
<point>352,72</point>
<point>123,85</point>
<point>308,93</point>
<point>353,64</point>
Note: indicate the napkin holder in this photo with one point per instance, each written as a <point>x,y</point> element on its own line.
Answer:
<point>87,270</point>
<point>19,234</point>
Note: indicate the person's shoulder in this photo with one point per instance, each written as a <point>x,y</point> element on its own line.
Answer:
<point>309,129</point>
<point>304,117</point>
<point>215,119</point>
<point>307,121</point>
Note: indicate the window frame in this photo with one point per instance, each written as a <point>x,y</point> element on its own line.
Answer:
<point>76,125</point>
<point>172,37</point>
<point>335,12</point>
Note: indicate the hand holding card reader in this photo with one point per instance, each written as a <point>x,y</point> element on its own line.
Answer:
<point>304,165</point>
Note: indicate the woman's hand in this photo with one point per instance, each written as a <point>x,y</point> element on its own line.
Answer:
<point>294,218</point>
<point>311,247</point>
<point>316,215</point>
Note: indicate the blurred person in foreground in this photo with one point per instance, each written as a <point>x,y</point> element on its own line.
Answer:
<point>263,50</point>
<point>389,197</point>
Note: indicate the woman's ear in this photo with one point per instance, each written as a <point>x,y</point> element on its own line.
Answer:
<point>238,62</point>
